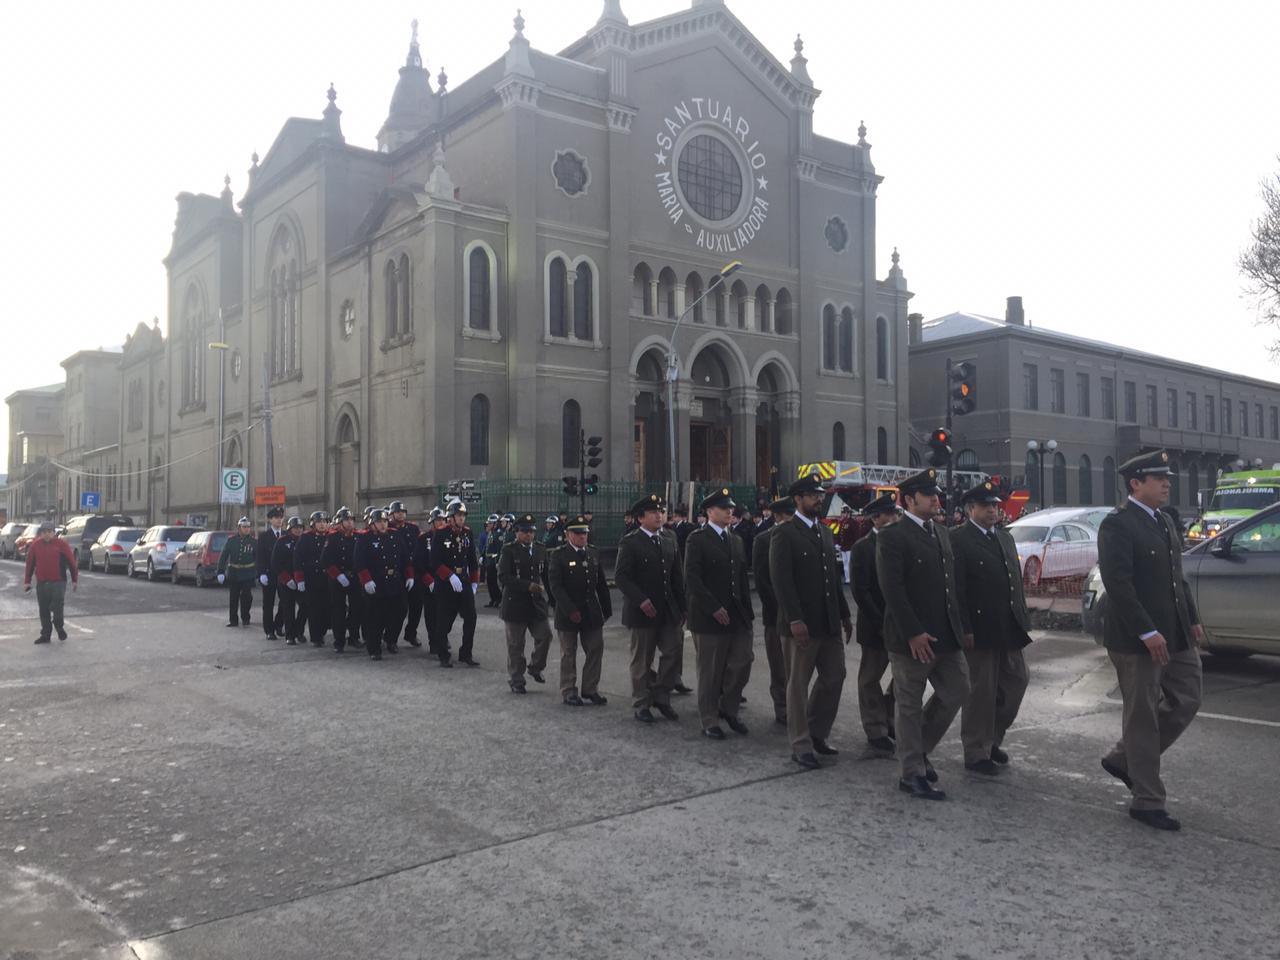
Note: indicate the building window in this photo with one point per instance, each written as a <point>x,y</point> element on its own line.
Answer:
<point>570,433</point>
<point>763,302</point>
<point>1257,421</point>
<point>642,290</point>
<point>1030,386</point>
<point>1153,419</point>
<point>837,441</point>
<point>718,299</point>
<point>1244,419</point>
<point>913,458</point>
<point>1086,480</point>
<point>1275,423</point>
<point>479,289</point>
<point>968,460</point>
<point>829,337</point>
<point>135,405</point>
<point>583,303</point>
<point>667,293</point>
<point>406,312</point>
<point>1108,398</point>
<point>1173,409</point>
<point>738,304</point>
<point>692,295</point>
<point>480,430</point>
<point>1032,468</point>
<point>1130,402</point>
<point>1226,416</point>
<point>882,349</point>
<point>1210,410</point>
<point>393,299</point>
<point>710,178</point>
<point>1059,479</point>
<point>782,319</point>
<point>557,298</point>
<point>882,445</point>
<point>1082,395</point>
<point>1108,482</point>
<point>1193,484</point>
<point>571,173</point>
<point>1193,410</point>
<point>846,339</point>
<point>193,320</point>
<point>1057,391</point>
<point>837,234</point>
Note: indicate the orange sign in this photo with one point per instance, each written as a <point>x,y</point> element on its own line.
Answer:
<point>268,496</point>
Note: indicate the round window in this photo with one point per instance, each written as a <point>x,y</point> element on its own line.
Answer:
<point>710,178</point>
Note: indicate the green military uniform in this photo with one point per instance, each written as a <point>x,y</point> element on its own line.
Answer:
<point>715,573</point>
<point>994,613</point>
<point>553,539</point>
<point>238,565</point>
<point>875,705</point>
<point>648,569</point>
<point>522,572</point>
<point>916,571</point>
<point>806,576</point>
<point>1140,558</point>
<point>769,613</point>
<point>578,586</point>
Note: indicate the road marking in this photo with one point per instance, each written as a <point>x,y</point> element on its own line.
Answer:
<point>76,626</point>
<point>1223,716</point>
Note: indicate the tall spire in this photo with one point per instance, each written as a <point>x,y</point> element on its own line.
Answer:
<point>613,11</point>
<point>413,103</point>
<point>332,123</point>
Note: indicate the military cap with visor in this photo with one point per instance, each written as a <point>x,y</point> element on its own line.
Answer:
<point>578,524</point>
<point>984,492</point>
<point>885,503</point>
<point>646,503</point>
<point>926,482</point>
<point>783,505</point>
<point>275,512</point>
<point>810,484</point>
<point>1155,463</point>
<point>525,522</point>
<point>717,498</point>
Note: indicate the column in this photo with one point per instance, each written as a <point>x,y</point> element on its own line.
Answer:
<point>743,404</point>
<point>684,397</point>
<point>789,425</point>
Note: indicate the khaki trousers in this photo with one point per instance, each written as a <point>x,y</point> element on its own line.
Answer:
<point>1159,703</point>
<point>666,641</point>
<point>724,666</point>
<point>874,704</point>
<point>592,642</point>
<point>812,714</point>
<point>997,682</point>
<point>920,726</point>
<point>777,671</point>
<point>540,630</point>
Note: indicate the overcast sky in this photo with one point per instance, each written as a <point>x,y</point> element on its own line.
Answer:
<point>1101,159</point>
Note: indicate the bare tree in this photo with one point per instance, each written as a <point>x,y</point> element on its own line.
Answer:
<point>1260,262</point>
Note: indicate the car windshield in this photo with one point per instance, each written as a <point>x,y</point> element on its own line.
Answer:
<point>177,534</point>
<point>1243,498</point>
<point>217,541</point>
<point>1028,534</point>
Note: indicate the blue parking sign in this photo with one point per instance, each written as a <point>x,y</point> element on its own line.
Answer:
<point>90,501</point>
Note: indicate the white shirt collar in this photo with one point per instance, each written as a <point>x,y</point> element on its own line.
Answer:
<point>651,536</point>
<point>919,522</point>
<point>980,526</point>
<point>719,530</point>
<point>805,520</point>
<point>1151,513</point>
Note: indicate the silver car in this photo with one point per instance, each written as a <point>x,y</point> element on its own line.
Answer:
<point>9,535</point>
<point>155,551</point>
<point>110,552</point>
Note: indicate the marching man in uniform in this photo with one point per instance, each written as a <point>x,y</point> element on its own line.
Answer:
<point>339,560</point>
<point>282,572</point>
<point>522,570</point>
<point>401,526</point>
<point>874,704</point>
<point>238,563</point>
<point>996,628</point>
<point>648,574</point>
<point>720,615</point>
<point>1151,633</point>
<point>781,511</point>
<point>457,574</point>
<point>385,575</point>
<point>272,615</point>
<point>310,576</point>
<point>581,593</point>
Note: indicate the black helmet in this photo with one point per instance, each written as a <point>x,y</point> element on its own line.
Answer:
<point>437,513</point>
<point>342,513</point>
<point>318,516</point>
<point>294,522</point>
<point>455,507</point>
<point>376,514</point>
<point>396,506</point>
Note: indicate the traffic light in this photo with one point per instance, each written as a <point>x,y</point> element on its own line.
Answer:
<point>963,387</point>
<point>940,447</point>
<point>592,485</point>
<point>570,486</point>
<point>593,452</point>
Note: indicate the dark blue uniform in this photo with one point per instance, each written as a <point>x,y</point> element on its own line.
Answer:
<point>339,559</point>
<point>453,553</point>
<point>309,569</point>
<point>380,559</point>
<point>409,534</point>
<point>282,575</point>
<point>272,617</point>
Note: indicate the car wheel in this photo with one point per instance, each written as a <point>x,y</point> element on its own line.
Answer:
<point>1031,573</point>
<point>201,581</point>
<point>151,572</point>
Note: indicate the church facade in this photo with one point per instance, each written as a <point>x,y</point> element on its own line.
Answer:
<point>506,269</point>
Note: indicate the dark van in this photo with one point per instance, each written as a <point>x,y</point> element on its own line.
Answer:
<point>83,532</point>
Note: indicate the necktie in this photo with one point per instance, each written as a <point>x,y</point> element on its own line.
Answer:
<point>724,536</point>
<point>928,527</point>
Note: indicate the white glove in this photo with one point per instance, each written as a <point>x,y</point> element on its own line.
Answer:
<point>222,578</point>
<point>291,585</point>
<point>263,580</point>
<point>455,583</point>
<point>370,587</point>
<point>342,579</point>
<point>475,587</point>
<point>408,584</point>
<point>432,585</point>
<point>302,587</point>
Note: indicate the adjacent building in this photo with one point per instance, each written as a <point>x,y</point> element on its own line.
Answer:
<point>35,437</point>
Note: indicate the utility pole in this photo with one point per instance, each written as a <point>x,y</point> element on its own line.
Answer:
<point>269,463</point>
<point>950,460</point>
<point>582,471</point>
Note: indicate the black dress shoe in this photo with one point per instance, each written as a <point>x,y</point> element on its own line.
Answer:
<point>645,715</point>
<point>271,636</point>
<point>930,774</point>
<point>682,689</point>
<point>446,662</point>
<point>596,700</point>
<point>413,641</point>
<point>392,648</point>
<point>233,624</point>
<point>375,656</point>
<point>713,733</point>
<point>573,700</point>
<point>537,675</point>
<point>42,639</point>
<point>666,711</point>
<point>823,748</point>
<point>339,648</point>
<point>806,760</point>
<point>736,725</point>
<point>1116,772</point>
<point>999,756</point>
<point>1156,818</point>
<point>518,688</point>
<point>291,642</point>
<point>881,744</point>
<point>469,661</point>
<point>920,789</point>
<point>62,634</point>
<point>987,768</point>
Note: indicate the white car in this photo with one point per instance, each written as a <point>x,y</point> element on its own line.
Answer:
<point>156,550</point>
<point>9,535</point>
<point>1056,544</point>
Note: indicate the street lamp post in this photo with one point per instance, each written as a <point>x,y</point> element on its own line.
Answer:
<point>222,347</point>
<point>1040,448</point>
<point>673,365</point>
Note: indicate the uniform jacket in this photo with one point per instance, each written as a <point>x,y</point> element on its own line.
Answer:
<point>408,534</point>
<point>422,559</point>
<point>454,551</point>
<point>380,558</point>
<point>282,559</point>
<point>807,578</point>
<point>554,538</point>
<point>764,586</point>
<point>267,540</point>
<point>1141,564</point>
<point>308,558</point>
<point>239,559</point>
<point>682,530</point>
<point>649,568</point>
<point>866,592</point>
<point>518,568</point>
<point>918,580</point>
<point>715,576</point>
<point>989,576</point>
<point>339,555</point>
<point>577,583</point>
<point>745,529</point>
<point>493,545</point>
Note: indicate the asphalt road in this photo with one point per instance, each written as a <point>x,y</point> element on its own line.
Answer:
<point>171,788</point>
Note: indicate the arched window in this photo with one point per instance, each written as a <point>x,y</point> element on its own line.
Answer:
<point>570,433</point>
<point>718,299</point>
<point>882,445</point>
<point>782,319</point>
<point>1086,480</point>
<point>1059,479</point>
<point>846,340</point>
<point>667,293</point>
<point>829,337</point>
<point>763,302</point>
<point>1032,468</point>
<point>557,296</point>
<point>913,457</point>
<point>583,303</point>
<point>738,303</point>
<point>1193,484</point>
<point>480,430</point>
<point>882,348</point>
<point>193,350</point>
<point>642,290</point>
<point>406,301</point>
<point>285,319</point>
<point>393,299</point>
<point>1108,481</point>
<point>479,290</point>
<point>837,441</point>
<point>692,291</point>
<point>967,460</point>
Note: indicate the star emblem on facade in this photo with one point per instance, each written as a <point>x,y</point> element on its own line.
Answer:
<point>662,158</point>
<point>763,183</point>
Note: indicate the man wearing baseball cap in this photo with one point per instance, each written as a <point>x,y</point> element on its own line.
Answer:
<point>50,559</point>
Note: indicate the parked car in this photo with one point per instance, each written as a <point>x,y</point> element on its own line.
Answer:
<point>155,550</point>
<point>24,540</point>
<point>81,532</point>
<point>9,534</point>
<point>110,552</point>
<point>197,561</point>
<point>1054,545</point>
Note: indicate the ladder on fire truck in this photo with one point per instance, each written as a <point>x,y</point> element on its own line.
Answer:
<point>850,472</point>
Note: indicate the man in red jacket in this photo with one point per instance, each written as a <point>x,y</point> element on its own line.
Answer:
<point>50,558</point>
